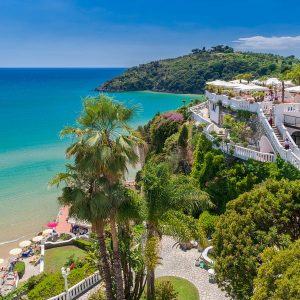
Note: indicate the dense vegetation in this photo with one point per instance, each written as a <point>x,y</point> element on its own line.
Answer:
<point>186,189</point>
<point>267,216</point>
<point>188,73</point>
<point>279,276</point>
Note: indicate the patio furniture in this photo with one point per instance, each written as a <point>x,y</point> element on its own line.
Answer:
<point>28,253</point>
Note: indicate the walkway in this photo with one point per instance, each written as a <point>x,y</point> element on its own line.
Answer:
<point>30,269</point>
<point>62,219</point>
<point>176,262</point>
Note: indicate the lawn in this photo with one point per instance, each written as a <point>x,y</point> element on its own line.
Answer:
<point>185,289</point>
<point>55,258</point>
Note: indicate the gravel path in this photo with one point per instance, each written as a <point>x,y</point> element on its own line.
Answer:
<point>176,262</point>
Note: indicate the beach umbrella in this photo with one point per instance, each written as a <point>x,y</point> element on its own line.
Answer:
<point>288,83</point>
<point>211,271</point>
<point>37,238</point>
<point>250,87</point>
<point>1,261</point>
<point>273,81</point>
<point>237,81</point>
<point>47,231</point>
<point>52,224</point>
<point>15,251</point>
<point>222,83</point>
<point>25,244</point>
<point>294,89</point>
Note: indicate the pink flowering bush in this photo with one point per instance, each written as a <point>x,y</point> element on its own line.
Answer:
<point>173,116</point>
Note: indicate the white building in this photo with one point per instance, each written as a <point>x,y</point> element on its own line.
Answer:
<point>279,122</point>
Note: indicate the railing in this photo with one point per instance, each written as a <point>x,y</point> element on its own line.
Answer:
<point>294,159</point>
<point>292,121</point>
<point>281,109</point>
<point>238,151</point>
<point>292,156</point>
<point>233,103</point>
<point>197,113</point>
<point>270,133</point>
<point>79,288</point>
<point>266,106</point>
<point>199,106</point>
<point>285,134</point>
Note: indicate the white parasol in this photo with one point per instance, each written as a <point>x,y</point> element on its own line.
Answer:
<point>25,244</point>
<point>47,231</point>
<point>15,251</point>
<point>294,89</point>
<point>37,238</point>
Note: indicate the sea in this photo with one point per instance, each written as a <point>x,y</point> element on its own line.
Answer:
<point>35,104</point>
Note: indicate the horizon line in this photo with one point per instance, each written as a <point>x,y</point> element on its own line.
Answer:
<point>64,67</point>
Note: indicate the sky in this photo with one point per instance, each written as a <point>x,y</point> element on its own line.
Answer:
<point>123,33</point>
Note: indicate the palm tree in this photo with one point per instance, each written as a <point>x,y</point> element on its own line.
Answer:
<point>169,199</point>
<point>90,205</point>
<point>104,148</point>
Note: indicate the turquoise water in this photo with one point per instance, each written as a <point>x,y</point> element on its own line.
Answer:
<point>35,104</point>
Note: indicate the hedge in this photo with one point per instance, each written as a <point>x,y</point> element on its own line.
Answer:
<point>83,244</point>
<point>53,284</point>
<point>20,268</point>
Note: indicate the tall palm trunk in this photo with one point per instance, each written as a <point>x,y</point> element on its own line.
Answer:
<point>152,257</point>
<point>117,266</point>
<point>106,271</point>
<point>150,285</point>
<point>282,90</point>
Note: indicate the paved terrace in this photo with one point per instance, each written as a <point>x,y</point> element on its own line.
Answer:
<point>62,219</point>
<point>176,262</point>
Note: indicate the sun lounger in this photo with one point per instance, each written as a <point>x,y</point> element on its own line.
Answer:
<point>28,253</point>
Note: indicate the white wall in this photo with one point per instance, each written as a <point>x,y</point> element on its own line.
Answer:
<point>265,145</point>
<point>214,112</point>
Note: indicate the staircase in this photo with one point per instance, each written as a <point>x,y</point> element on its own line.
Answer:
<point>278,134</point>
<point>276,130</point>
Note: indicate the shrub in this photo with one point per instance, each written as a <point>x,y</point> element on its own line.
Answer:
<point>20,268</point>
<point>208,222</point>
<point>165,291</point>
<point>83,244</point>
<point>98,295</point>
<point>34,280</point>
<point>65,236</point>
<point>53,284</point>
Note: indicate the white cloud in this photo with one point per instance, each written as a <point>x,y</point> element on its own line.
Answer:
<point>268,43</point>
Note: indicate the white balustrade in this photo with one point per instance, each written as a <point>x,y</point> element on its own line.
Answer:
<point>292,156</point>
<point>80,287</point>
<point>233,103</point>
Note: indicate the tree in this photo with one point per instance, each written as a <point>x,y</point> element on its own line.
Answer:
<point>168,199</point>
<point>278,276</point>
<point>208,222</point>
<point>90,205</point>
<point>203,146</point>
<point>267,216</point>
<point>183,148</point>
<point>294,74</point>
<point>244,76</point>
<point>105,145</point>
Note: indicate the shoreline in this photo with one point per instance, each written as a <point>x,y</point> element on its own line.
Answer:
<point>26,202</point>
<point>153,92</point>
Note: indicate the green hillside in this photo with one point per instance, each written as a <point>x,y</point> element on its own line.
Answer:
<point>188,73</point>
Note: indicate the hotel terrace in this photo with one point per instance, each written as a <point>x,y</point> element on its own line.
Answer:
<point>273,112</point>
